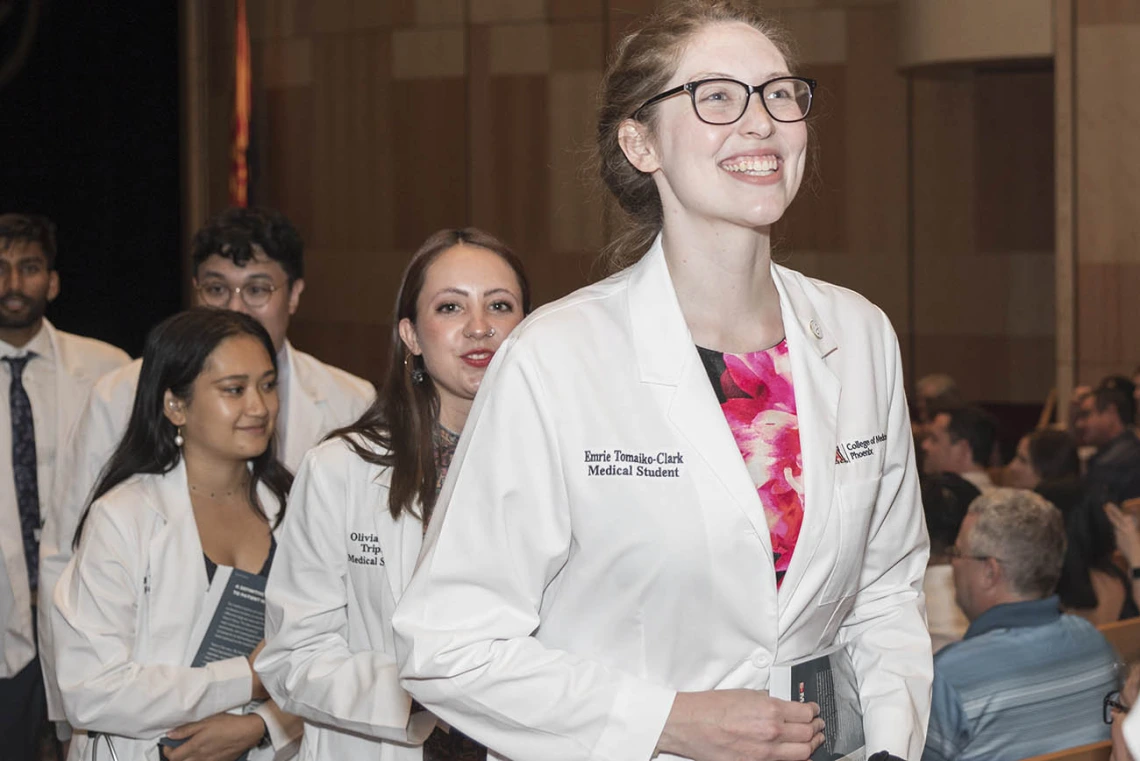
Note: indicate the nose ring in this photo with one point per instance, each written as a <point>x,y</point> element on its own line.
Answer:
<point>477,334</point>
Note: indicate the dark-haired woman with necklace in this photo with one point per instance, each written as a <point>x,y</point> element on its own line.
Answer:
<point>194,486</point>
<point>361,502</point>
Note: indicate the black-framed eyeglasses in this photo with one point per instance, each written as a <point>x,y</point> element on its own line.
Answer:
<point>256,293</point>
<point>724,101</point>
<point>1112,704</point>
<point>953,551</point>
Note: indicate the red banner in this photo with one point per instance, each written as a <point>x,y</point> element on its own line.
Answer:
<point>239,138</point>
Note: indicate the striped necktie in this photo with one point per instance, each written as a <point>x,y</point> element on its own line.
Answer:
<point>24,465</point>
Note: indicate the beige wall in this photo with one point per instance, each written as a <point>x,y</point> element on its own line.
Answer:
<point>378,122</point>
<point>983,242</point>
<point>1099,190</point>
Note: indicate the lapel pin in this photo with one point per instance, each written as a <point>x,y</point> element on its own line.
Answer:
<point>815,329</point>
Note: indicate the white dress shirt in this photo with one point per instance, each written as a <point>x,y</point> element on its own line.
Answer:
<point>946,620</point>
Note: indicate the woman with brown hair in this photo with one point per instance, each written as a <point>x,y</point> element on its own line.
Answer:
<point>361,501</point>
<point>691,473</point>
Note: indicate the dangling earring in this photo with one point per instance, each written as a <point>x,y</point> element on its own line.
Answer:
<point>178,440</point>
<point>418,375</point>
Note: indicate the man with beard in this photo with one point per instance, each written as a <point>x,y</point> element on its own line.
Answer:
<point>45,374</point>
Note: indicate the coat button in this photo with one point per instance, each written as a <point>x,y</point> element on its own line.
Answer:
<point>815,329</point>
<point>761,660</point>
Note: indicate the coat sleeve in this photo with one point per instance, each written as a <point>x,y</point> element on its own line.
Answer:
<point>465,626</point>
<point>1132,733</point>
<point>97,603</point>
<point>948,734</point>
<point>886,629</point>
<point>307,665</point>
<point>81,458</point>
<point>284,729</point>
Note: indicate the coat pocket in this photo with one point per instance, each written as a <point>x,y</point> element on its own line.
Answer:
<point>853,510</point>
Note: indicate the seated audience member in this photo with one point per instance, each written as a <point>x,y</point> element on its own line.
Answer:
<point>960,441</point>
<point>945,500</point>
<point>249,261</point>
<point>45,374</point>
<point>1084,451</point>
<point>193,490</point>
<point>934,392</point>
<point>1105,420</point>
<point>1126,528</point>
<point>1119,715</point>
<point>1026,679</point>
<point>1046,455</point>
<point>1092,585</point>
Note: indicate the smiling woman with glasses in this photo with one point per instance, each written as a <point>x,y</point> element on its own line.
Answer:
<point>704,436</point>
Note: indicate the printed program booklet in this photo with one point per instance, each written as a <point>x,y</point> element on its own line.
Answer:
<point>232,624</point>
<point>237,624</point>
<point>827,679</point>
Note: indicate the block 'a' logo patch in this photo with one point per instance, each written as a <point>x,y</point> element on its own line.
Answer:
<point>840,458</point>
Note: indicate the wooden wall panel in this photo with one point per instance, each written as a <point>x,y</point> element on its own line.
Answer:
<point>377,123</point>
<point>1014,184</point>
<point>1106,187</point>
<point>983,239</point>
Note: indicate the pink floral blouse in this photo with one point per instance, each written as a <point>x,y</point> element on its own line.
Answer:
<point>756,395</point>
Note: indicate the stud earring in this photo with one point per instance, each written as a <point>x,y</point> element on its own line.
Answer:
<point>178,440</point>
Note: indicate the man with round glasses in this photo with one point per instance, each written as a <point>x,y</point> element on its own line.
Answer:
<point>247,260</point>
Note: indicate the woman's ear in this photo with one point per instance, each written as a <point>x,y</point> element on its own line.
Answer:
<point>637,145</point>
<point>408,336</point>
<point>174,408</point>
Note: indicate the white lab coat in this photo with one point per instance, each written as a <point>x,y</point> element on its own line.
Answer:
<point>1132,733</point>
<point>555,613</point>
<point>124,610</point>
<point>319,399</point>
<point>341,565</point>
<point>79,362</point>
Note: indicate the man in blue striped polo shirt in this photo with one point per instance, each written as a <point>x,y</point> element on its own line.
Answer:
<point>1025,680</point>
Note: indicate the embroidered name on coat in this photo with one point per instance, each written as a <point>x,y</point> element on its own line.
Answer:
<point>621,462</point>
<point>369,551</point>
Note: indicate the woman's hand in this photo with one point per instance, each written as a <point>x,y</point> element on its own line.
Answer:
<point>1127,533</point>
<point>222,737</point>
<point>258,690</point>
<point>740,725</point>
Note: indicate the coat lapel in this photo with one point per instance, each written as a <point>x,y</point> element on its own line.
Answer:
<point>303,416</point>
<point>73,382</point>
<point>176,576</point>
<point>817,390</point>
<point>667,356</point>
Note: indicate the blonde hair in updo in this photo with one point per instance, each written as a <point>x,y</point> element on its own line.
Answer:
<point>642,65</point>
